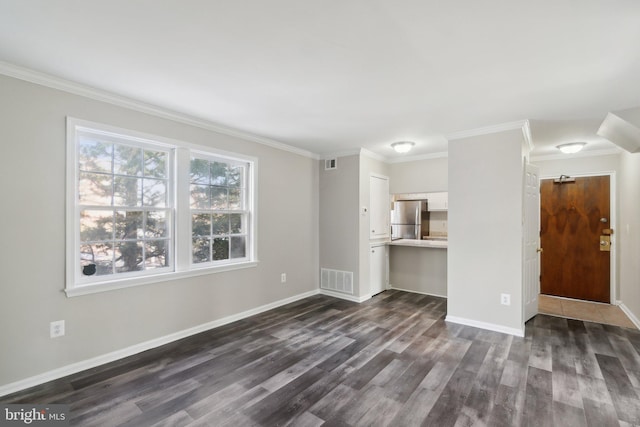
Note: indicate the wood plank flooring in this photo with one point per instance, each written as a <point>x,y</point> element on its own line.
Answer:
<point>389,361</point>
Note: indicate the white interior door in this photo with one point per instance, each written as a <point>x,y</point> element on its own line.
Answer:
<point>531,226</point>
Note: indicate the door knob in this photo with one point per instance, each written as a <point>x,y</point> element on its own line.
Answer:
<point>539,250</point>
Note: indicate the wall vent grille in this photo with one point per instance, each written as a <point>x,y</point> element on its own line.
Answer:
<point>330,164</point>
<point>336,280</point>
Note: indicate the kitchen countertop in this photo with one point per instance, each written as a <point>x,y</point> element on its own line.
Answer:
<point>443,244</point>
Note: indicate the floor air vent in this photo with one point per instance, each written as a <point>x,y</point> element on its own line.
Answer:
<point>336,280</point>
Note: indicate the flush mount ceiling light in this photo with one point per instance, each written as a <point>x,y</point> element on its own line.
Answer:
<point>402,146</point>
<point>571,147</point>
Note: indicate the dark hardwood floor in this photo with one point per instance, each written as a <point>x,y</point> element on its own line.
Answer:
<point>389,361</point>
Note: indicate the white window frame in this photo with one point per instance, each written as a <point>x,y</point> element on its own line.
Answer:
<point>179,196</point>
<point>246,211</point>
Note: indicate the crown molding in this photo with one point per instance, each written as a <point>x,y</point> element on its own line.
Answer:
<point>75,88</point>
<point>418,157</point>
<point>526,132</point>
<point>580,154</point>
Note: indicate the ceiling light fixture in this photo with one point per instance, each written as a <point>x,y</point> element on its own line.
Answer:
<point>402,146</point>
<point>571,147</point>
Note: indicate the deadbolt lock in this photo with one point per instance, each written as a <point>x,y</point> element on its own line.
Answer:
<point>605,243</point>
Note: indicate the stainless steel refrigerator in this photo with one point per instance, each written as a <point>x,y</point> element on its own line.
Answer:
<point>406,219</point>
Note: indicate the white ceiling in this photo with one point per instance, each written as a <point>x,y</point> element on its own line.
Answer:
<point>334,75</point>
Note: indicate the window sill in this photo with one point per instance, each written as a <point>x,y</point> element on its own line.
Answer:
<point>138,281</point>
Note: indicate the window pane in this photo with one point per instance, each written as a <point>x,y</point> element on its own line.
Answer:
<point>94,189</point>
<point>220,224</point>
<point>154,192</point>
<point>156,224</point>
<point>128,256</point>
<point>199,171</point>
<point>155,164</point>
<point>236,221</point>
<point>201,225</point>
<point>128,225</point>
<point>236,176</point>
<point>94,155</point>
<point>201,250</point>
<point>96,225</point>
<point>127,160</point>
<point>127,191</point>
<point>238,244</point>
<point>235,198</point>
<point>219,198</point>
<point>96,259</point>
<point>156,254</point>
<point>218,173</point>
<point>199,196</point>
<point>220,248</point>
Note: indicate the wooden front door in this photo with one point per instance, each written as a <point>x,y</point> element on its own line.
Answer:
<point>573,216</point>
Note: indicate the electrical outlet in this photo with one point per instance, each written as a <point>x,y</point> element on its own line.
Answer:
<point>505,299</point>
<point>283,278</point>
<point>56,329</point>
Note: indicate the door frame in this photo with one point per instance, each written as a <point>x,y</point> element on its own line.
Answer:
<point>613,211</point>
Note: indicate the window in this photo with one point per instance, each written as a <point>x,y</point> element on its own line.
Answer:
<point>124,200</point>
<point>219,215</point>
<point>143,209</point>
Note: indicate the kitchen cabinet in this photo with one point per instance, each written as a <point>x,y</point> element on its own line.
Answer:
<point>437,201</point>
<point>378,269</point>
<point>379,207</point>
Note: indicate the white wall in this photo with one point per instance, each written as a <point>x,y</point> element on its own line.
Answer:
<point>629,234</point>
<point>339,217</point>
<point>421,270</point>
<point>32,257</point>
<point>485,230</point>
<point>577,165</point>
<point>419,176</point>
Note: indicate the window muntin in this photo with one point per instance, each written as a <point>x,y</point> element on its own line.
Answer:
<point>219,210</point>
<point>129,213</point>
<point>124,200</point>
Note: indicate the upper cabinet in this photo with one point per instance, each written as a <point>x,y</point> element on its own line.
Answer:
<point>379,203</point>
<point>437,201</point>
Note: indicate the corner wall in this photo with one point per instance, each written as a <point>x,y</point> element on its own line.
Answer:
<point>629,234</point>
<point>32,257</point>
<point>339,217</point>
<point>485,231</point>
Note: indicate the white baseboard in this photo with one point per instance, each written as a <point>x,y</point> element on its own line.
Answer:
<point>345,296</point>
<point>629,314</point>
<point>144,346</point>
<point>485,325</point>
<point>417,292</point>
